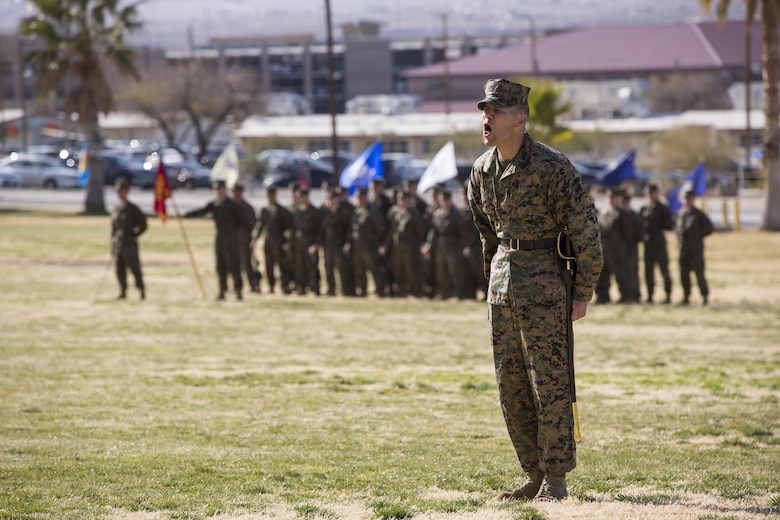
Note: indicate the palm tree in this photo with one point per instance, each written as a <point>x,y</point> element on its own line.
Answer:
<point>770,62</point>
<point>72,41</point>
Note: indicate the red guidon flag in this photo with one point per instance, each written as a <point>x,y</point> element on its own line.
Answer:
<point>162,192</point>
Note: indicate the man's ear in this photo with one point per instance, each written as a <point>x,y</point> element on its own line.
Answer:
<point>521,120</point>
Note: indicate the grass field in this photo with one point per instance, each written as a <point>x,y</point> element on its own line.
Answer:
<point>301,407</point>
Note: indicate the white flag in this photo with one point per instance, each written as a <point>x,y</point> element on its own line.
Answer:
<point>226,166</point>
<point>441,169</point>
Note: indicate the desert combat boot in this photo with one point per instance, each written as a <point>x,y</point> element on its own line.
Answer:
<point>553,488</point>
<point>527,491</point>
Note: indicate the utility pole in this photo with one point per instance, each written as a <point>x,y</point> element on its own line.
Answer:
<point>748,70</point>
<point>445,44</point>
<point>334,140</point>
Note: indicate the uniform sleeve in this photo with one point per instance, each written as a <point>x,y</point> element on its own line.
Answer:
<point>487,234</point>
<point>140,222</point>
<point>200,211</point>
<point>574,211</point>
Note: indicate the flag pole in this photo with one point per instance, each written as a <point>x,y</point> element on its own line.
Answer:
<point>187,246</point>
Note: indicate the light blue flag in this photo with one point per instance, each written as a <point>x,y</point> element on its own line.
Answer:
<point>619,170</point>
<point>696,181</point>
<point>83,166</point>
<point>361,171</point>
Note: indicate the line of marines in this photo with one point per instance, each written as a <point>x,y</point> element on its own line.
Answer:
<point>406,246</point>
<point>622,229</point>
<point>391,242</point>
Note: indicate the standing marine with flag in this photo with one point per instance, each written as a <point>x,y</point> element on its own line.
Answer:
<point>227,218</point>
<point>526,198</point>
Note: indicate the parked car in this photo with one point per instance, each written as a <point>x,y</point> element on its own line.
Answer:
<point>10,180</point>
<point>182,170</point>
<point>67,157</point>
<point>299,168</point>
<point>325,158</point>
<point>272,157</point>
<point>399,167</point>
<point>118,166</point>
<point>39,171</point>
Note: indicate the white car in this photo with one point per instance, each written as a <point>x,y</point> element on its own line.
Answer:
<point>9,180</point>
<point>39,171</point>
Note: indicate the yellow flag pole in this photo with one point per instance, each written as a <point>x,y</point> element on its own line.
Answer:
<point>187,246</point>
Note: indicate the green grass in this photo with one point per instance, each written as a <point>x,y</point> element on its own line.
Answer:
<point>192,409</point>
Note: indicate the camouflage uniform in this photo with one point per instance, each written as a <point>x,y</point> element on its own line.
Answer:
<point>127,223</point>
<point>538,195</point>
<point>447,238</point>
<point>692,226</point>
<point>636,227</point>
<point>383,275</point>
<point>335,229</point>
<point>475,281</point>
<point>227,218</point>
<point>366,230</point>
<point>657,219</point>
<point>617,231</point>
<point>404,238</point>
<point>307,224</point>
<point>246,255</point>
<point>277,223</point>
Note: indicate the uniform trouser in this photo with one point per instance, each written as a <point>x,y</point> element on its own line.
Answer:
<point>127,258</point>
<point>306,269</point>
<point>406,270</point>
<point>530,355</point>
<point>693,261</point>
<point>347,275</point>
<point>656,254</point>
<point>334,261</point>
<point>246,260</point>
<point>447,272</point>
<point>474,273</point>
<point>632,274</point>
<point>614,265</point>
<point>228,263</point>
<point>275,257</point>
<point>364,261</point>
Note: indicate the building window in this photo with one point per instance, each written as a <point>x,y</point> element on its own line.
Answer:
<point>395,146</point>
<point>436,89</point>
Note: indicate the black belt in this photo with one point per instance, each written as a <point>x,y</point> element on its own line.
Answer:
<point>528,245</point>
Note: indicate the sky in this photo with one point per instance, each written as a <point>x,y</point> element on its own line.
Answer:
<point>167,21</point>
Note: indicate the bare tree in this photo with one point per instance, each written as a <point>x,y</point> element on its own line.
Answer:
<point>195,96</point>
<point>685,91</point>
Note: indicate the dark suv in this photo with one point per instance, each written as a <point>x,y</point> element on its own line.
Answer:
<point>121,167</point>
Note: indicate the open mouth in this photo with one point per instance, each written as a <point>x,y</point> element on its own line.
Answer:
<point>486,130</point>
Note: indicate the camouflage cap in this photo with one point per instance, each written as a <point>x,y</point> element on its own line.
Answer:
<point>502,93</point>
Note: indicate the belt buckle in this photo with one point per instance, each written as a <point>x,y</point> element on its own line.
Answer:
<point>514,244</point>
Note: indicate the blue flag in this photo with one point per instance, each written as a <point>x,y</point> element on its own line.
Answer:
<point>696,181</point>
<point>361,171</point>
<point>619,170</point>
<point>83,170</point>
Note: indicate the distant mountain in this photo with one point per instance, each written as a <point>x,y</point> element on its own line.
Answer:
<point>167,21</point>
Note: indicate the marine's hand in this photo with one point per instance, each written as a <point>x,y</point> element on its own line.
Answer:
<point>578,310</point>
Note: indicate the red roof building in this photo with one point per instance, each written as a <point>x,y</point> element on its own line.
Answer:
<point>594,53</point>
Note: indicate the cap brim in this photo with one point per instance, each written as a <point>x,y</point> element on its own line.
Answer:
<point>493,102</point>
